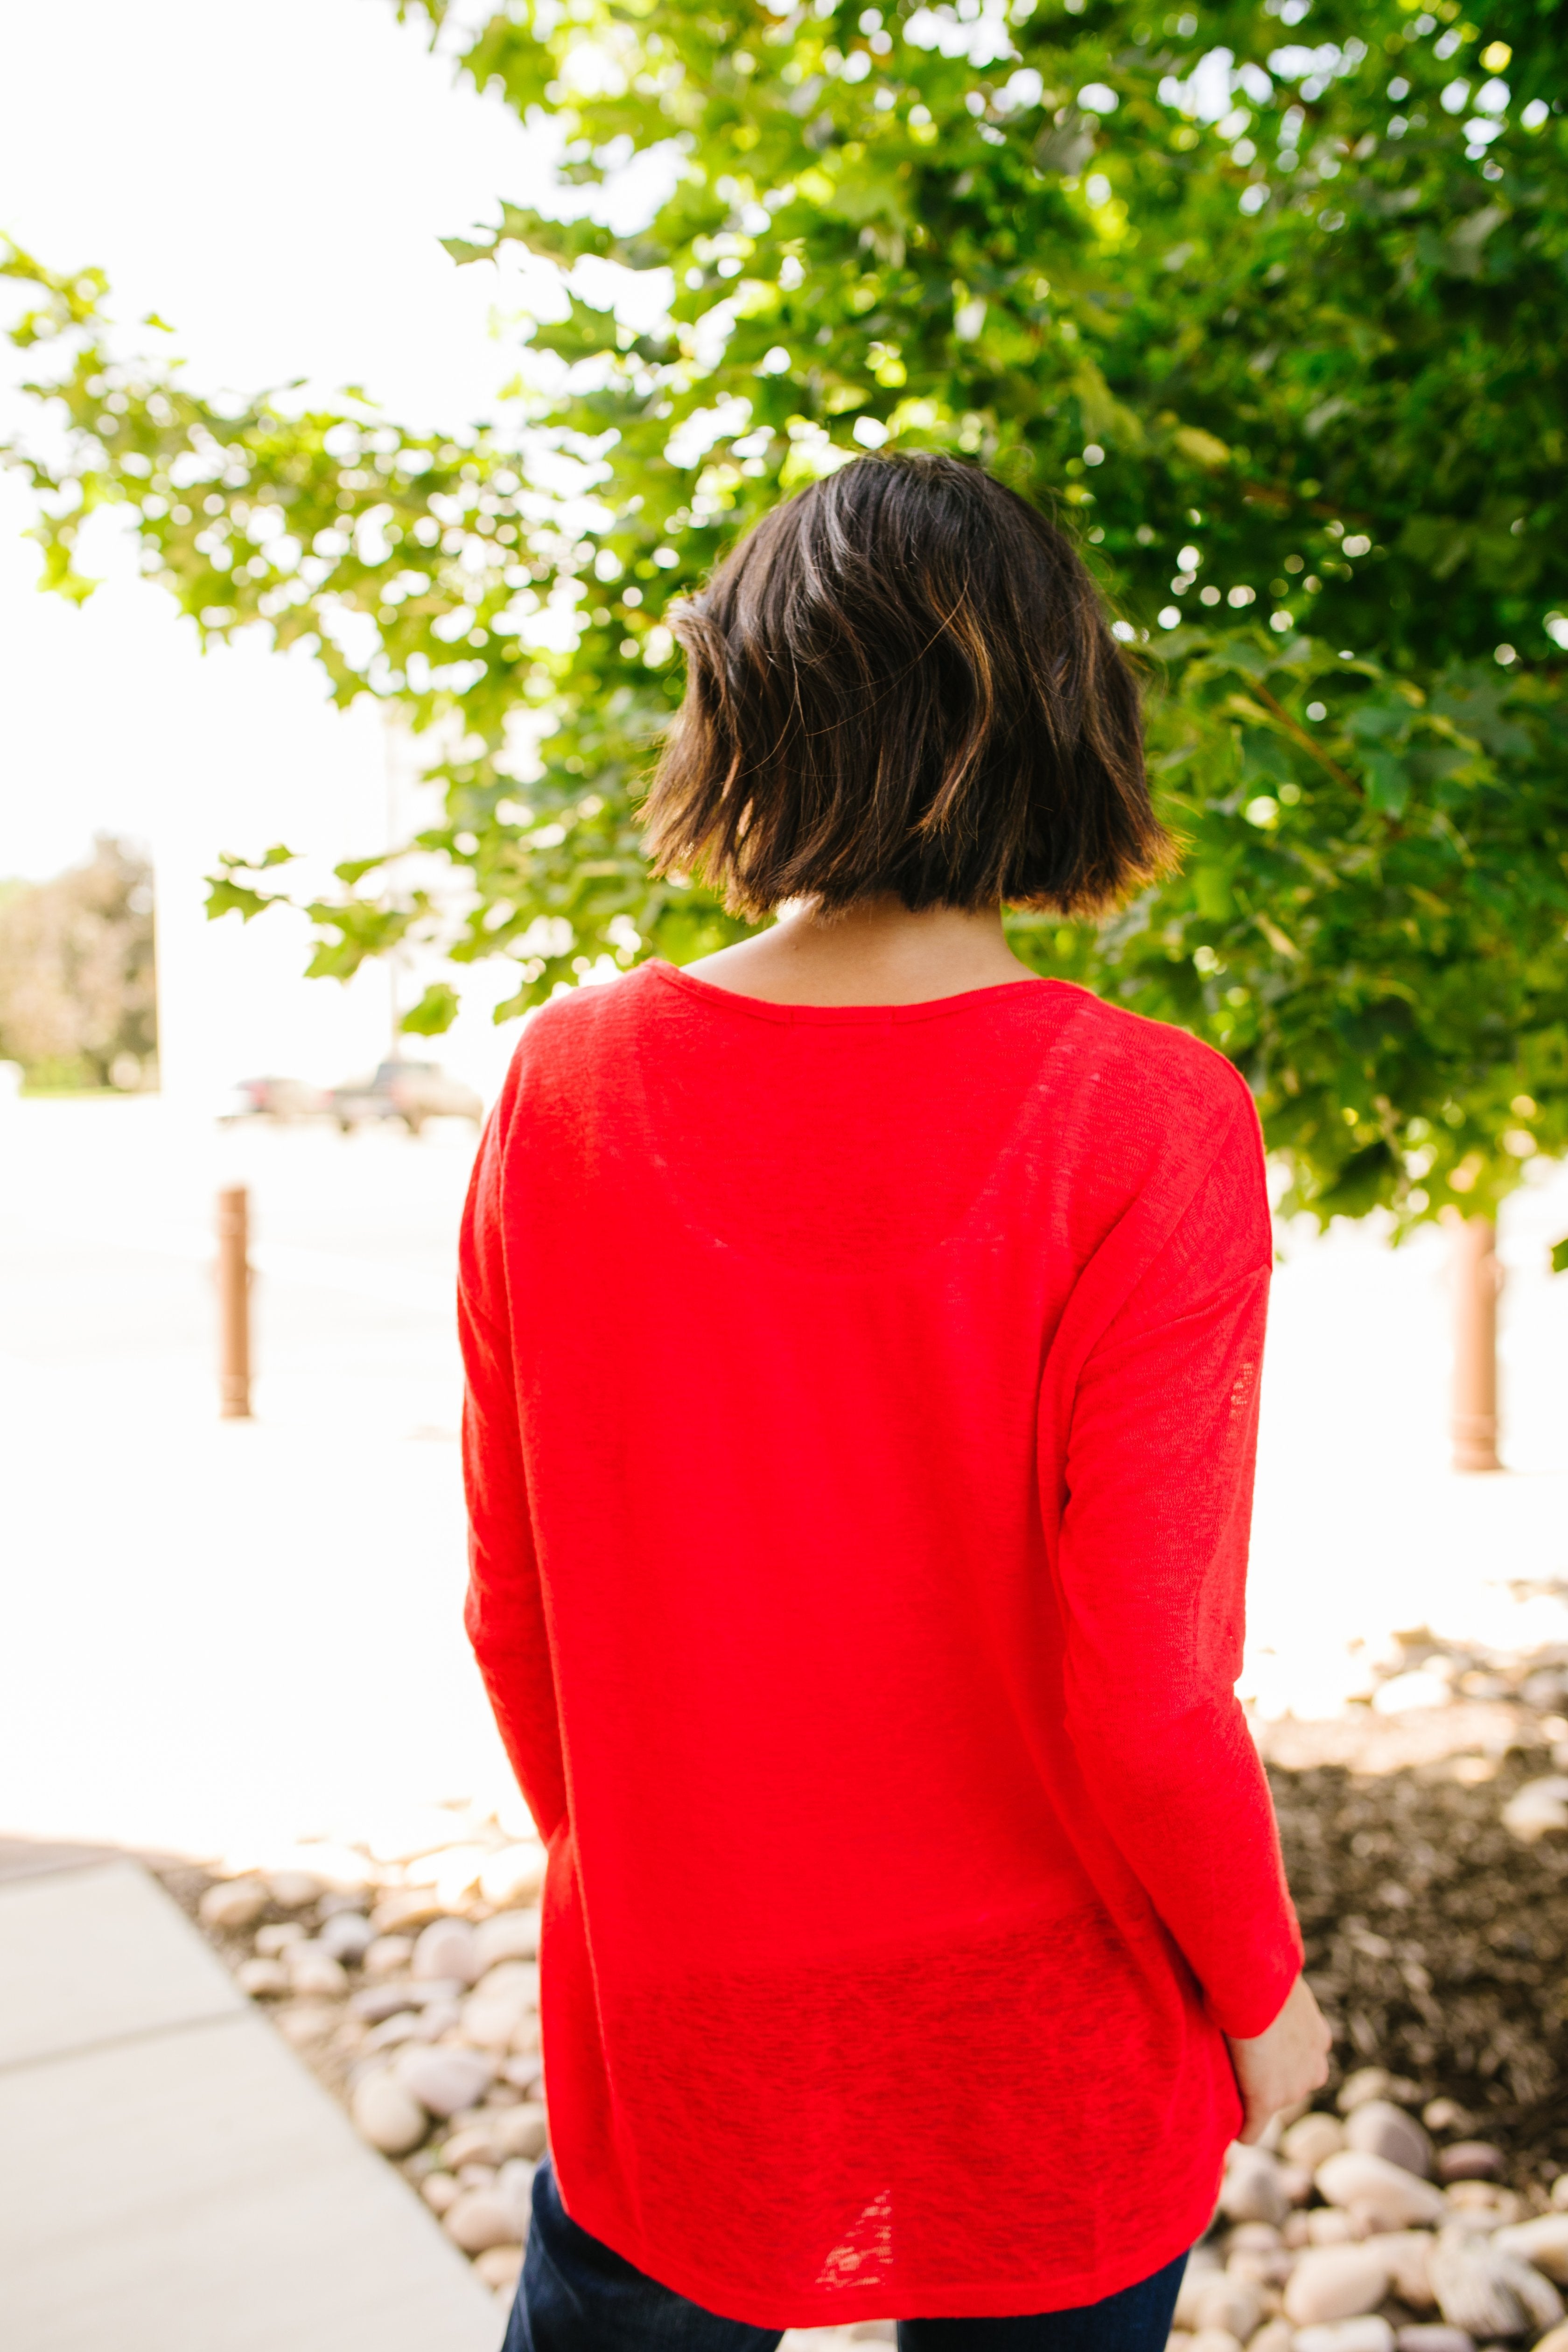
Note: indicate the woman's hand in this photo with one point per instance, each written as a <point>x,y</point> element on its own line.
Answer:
<point>1285,2065</point>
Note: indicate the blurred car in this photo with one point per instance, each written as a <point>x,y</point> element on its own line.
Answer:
<point>279,1098</point>
<point>410,1091</point>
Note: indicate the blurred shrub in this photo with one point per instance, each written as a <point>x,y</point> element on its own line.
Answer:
<point>78,1004</point>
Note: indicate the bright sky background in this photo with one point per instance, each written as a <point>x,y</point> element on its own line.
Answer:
<point>273,181</point>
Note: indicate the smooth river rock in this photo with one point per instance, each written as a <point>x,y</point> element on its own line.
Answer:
<point>501,2267</point>
<point>1197,2276</point>
<point>1538,1807</point>
<point>1227,2303</point>
<point>445,2081</point>
<point>1471,2159</point>
<point>1313,2139</point>
<point>1543,2243</point>
<point>233,1905</point>
<point>509,1936</point>
<point>474,2144</point>
<point>307,2023</point>
<point>374,2002</point>
<point>522,2130</point>
<point>1274,2336</point>
<point>479,2219</point>
<point>1368,2334</point>
<point>499,2004</point>
<point>514,2186</point>
<point>1482,2205</point>
<point>1384,2195</point>
<point>1327,2225</point>
<point>263,1979</point>
<point>1445,2116</point>
<point>387,1955</point>
<point>1407,2254</point>
<point>403,1907</point>
<point>291,1890</point>
<point>394,2032</point>
<point>1251,2189</point>
<point>515,1874</point>
<point>1433,2336</point>
<point>1378,2127</point>
<point>1333,2282</point>
<point>1366,2082</point>
<point>387,2114</point>
<point>448,1949</point>
<point>277,1936</point>
<point>347,1935</point>
<point>315,1973</point>
<point>1212,2339</point>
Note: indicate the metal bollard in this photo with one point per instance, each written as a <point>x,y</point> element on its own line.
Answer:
<point>234,1303</point>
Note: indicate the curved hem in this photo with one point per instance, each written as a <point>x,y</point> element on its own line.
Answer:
<point>938,2299</point>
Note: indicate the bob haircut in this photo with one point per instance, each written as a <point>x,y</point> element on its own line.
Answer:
<point>901,681</point>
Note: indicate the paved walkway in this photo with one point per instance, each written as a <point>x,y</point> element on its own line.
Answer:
<point>170,2178</point>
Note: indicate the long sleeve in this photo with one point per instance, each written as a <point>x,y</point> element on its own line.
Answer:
<point>1153,1566</point>
<point>505,1614</point>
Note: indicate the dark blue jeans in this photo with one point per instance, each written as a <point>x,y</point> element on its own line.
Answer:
<point>575,2295</point>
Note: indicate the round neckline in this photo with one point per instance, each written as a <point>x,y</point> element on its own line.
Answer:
<point>760,1008</point>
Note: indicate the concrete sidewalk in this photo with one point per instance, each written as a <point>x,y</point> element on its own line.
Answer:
<point>170,2178</point>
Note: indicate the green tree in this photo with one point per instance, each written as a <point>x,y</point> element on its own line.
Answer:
<point>78,1000</point>
<point>1265,303</point>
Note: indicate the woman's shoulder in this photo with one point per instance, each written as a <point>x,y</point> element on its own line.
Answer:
<point>581,1024</point>
<point>1163,1091</point>
<point>571,1050</point>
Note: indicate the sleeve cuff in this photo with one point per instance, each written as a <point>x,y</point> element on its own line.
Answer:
<point>1243,2014</point>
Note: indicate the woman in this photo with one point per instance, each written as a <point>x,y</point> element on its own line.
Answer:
<point>863,1339</point>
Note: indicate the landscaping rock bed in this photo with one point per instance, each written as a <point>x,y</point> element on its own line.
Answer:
<point>1433,1895</point>
<point>1424,2207</point>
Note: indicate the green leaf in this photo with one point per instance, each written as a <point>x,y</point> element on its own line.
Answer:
<point>435,1012</point>
<point>1387,783</point>
<point>1360,1183</point>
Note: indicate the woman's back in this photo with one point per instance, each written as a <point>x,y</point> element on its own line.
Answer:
<point>860,1444</point>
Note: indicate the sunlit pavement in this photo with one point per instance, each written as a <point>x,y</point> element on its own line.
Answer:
<point>174,2179</point>
<point>214,1635</point>
<point>215,1638</point>
<point>1362,1531</point>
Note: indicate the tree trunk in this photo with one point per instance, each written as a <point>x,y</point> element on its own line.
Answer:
<point>1478,1279</point>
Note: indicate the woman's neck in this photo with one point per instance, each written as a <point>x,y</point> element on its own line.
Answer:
<point>876,953</point>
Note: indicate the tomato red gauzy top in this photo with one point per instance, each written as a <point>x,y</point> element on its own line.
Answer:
<point>858,1443</point>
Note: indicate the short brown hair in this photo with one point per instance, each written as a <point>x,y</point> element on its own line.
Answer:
<point>902,680</point>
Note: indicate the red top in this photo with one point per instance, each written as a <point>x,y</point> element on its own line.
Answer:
<point>859,1445</point>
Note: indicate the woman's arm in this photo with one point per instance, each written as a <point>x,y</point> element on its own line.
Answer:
<point>1152,1567</point>
<point>505,1611</point>
<point>1284,2065</point>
